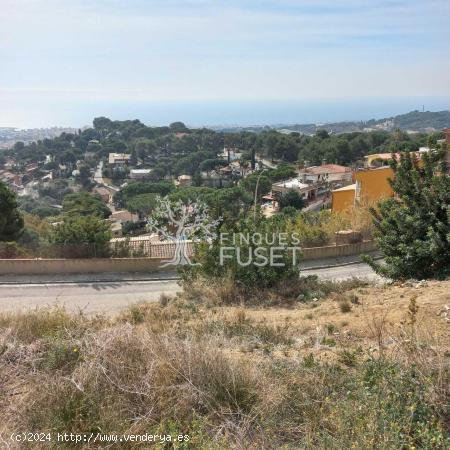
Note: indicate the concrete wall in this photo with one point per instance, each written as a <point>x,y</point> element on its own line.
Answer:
<point>94,265</point>
<point>334,251</point>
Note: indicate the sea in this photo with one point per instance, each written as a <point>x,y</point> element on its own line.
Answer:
<point>211,113</point>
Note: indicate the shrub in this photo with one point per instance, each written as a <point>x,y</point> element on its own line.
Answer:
<point>84,375</point>
<point>413,229</point>
<point>11,221</point>
<point>81,237</point>
<point>242,267</point>
<point>345,307</point>
<point>9,250</point>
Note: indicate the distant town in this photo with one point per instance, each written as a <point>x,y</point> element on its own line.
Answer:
<point>117,169</point>
<point>9,136</point>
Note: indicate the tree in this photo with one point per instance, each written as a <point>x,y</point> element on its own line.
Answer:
<point>264,185</point>
<point>243,269</point>
<point>84,176</point>
<point>85,204</point>
<point>282,172</point>
<point>82,236</point>
<point>11,221</point>
<point>180,222</point>
<point>134,188</point>
<point>210,164</point>
<point>133,157</point>
<point>413,228</point>
<point>178,127</point>
<point>322,134</point>
<point>142,204</point>
<point>292,199</point>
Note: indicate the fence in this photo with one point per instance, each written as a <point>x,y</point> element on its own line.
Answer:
<point>157,253</point>
<point>119,249</point>
<point>11,250</point>
<point>149,249</point>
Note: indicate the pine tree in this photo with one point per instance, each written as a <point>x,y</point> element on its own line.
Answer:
<point>413,228</point>
<point>11,222</point>
<point>133,158</point>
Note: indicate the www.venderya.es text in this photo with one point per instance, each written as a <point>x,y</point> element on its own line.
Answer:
<point>82,438</point>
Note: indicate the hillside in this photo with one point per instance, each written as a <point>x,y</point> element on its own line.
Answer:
<point>364,367</point>
<point>413,121</point>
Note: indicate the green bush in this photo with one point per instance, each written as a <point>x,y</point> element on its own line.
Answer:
<point>81,237</point>
<point>242,266</point>
<point>9,250</point>
<point>413,229</point>
<point>11,221</point>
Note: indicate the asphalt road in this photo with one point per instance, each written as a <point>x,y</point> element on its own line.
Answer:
<point>91,297</point>
<point>338,273</point>
<point>110,297</point>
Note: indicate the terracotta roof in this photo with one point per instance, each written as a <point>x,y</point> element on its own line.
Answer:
<point>328,168</point>
<point>124,216</point>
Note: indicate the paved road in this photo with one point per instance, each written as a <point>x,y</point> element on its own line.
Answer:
<point>91,297</point>
<point>344,272</point>
<point>111,296</point>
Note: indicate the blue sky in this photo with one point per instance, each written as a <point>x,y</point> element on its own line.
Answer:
<point>61,53</point>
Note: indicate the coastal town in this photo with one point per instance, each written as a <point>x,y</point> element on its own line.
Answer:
<point>42,183</point>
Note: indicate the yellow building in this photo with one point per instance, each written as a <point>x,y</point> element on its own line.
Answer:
<point>371,185</point>
<point>343,198</point>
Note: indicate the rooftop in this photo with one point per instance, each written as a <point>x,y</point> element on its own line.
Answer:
<point>112,157</point>
<point>328,168</point>
<point>141,171</point>
<point>293,183</point>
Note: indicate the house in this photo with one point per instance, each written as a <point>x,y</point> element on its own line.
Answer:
<point>118,158</point>
<point>306,191</point>
<point>31,167</point>
<point>184,180</point>
<point>382,159</point>
<point>371,185</point>
<point>103,193</point>
<point>118,218</point>
<point>330,173</point>
<point>232,153</point>
<point>13,180</point>
<point>47,177</point>
<point>140,174</point>
<point>124,216</point>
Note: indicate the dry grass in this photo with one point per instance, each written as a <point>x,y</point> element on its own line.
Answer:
<point>236,377</point>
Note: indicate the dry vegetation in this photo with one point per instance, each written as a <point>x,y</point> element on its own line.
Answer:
<point>351,366</point>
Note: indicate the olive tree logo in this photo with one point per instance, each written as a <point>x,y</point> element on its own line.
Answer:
<point>182,223</point>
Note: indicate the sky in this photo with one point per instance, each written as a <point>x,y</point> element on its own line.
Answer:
<point>64,61</point>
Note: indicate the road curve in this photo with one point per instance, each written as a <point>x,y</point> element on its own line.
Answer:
<point>109,297</point>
